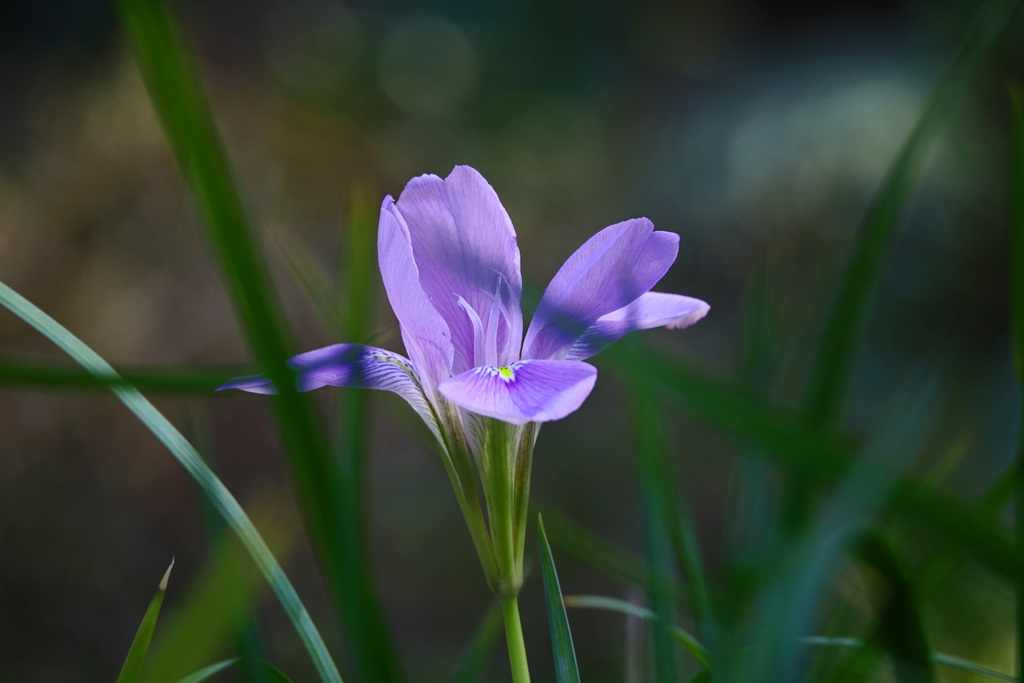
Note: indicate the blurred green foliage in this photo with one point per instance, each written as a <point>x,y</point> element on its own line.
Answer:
<point>845,560</point>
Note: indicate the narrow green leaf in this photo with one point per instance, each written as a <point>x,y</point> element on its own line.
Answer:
<point>657,513</point>
<point>938,658</point>
<point>595,552</point>
<point>35,374</point>
<point>660,491</point>
<point>274,675</point>
<point>140,644</point>
<point>359,595</point>
<point>780,436</point>
<point>832,366</point>
<point>900,630</point>
<point>1017,317</point>
<point>692,645</point>
<point>205,622</point>
<point>790,603</point>
<point>566,670</point>
<point>473,661</point>
<point>208,672</point>
<point>245,629</point>
<point>178,96</point>
<point>183,451</point>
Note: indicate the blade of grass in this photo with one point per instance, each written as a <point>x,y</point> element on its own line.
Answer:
<point>35,374</point>
<point>206,620</point>
<point>140,644</point>
<point>183,451</point>
<point>249,647</point>
<point>358,593</point>
<point>657,511</point>
<point>595,552</point>
<point>658,480</point>
<point>1017,317</point>
<point>799,577</point>
<point>833,363</point>
<point>900,631</point>
<point>692,645</point>
<point>473,661</point>
<point>178,96</point>
<point>566,670</point>
<point>938,657</point>
<point>635,646</point>
<point>273,674</point>
<point>208,672</point>
<point>775,434</point>
<point>938,567</point>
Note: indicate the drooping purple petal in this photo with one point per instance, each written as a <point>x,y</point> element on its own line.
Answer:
<point>465,250</point>
<point>425,334</point>
<point>653,309</point>
<point>348,365</point>
<point>612,269</point>
<point>525,391</point>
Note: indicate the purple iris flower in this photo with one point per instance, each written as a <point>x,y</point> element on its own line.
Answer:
<point>450,264</point>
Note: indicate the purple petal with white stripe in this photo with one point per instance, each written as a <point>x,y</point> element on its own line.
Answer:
<point>467,258</point>
<point>348,365</point>
<point>425,334</point>
<point>653,309</point>
<point>612,269</point>
<point>525,391</point>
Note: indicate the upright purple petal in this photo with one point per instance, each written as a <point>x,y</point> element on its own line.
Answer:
<point>525,391</point>
<point>348,365</point>
<point>612,269</point>
<point>653,309</point>
<point>465,250</point>
<point>425,334</point>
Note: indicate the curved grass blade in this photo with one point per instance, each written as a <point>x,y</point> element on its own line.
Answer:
<point>1017,317</point>
<point>832,366</point>
<point>595,552</point>
<point>183,451</point>
<point>900,631</point>
<point>208,672</point>
<point>566,670</point>
<point>791,600</point>
<point>34,374</point>
<point>206,620</point>
<point>665,500</point>
<point>471,664</point>
<point>140,644</point>
<point>938,657</point>
<point>692,645</point>
<point>274,675</point>
<point>775,434</point>
<point>179,98</point>
<point>656,513</point>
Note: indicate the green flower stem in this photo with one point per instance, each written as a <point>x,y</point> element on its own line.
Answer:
<point>514,636</point>
<point>499,482</point>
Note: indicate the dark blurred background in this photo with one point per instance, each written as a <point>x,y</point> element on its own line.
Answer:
<point>756,130</point>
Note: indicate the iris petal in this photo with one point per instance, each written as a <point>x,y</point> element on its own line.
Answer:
<point>464,246</point>
<point>525,391</point>
<point>425,333</point>
<point>653,309</point>
<point>612,269</point>
<point>348,365</point>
